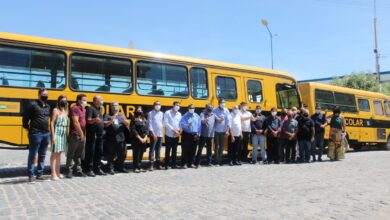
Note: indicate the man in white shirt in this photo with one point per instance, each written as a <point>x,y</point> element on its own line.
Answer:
<point>155,118</point>
<point>246,117</point>
<point>172,119</point>
<point>235,136</point>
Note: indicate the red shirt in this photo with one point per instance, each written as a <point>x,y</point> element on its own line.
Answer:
<point>77,110</point>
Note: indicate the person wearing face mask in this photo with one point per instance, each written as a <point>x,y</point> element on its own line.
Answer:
<point>290,129</point>
<point>58,128</point>
<point>115,124</point>
<point>94,142</point>
<point>320,124</point>
<point>306,132</point>
<point>222,126</point>
<point>283,137</point>
<point>208,119</point>
<point>294,111</point>
<point>246,117</point>
<point>172,119</point>
<point>36,122</point>
<point>76,145</point>
<point>273,132</point>
<point>156,118</point>
<point>336,134</point>
<point>140,129</point>
<point>191,125</point>
<point>258,127</point>
<point>235,137</point>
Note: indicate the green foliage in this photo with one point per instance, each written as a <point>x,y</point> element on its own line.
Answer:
<point>363,81</point>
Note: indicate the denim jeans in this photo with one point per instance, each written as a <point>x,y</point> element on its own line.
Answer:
<point>304,150</point>
<point>155,148</point>
<point>39,142</point>
<point>319,142</point>
<point>208,142</point>
<point>258,139</point>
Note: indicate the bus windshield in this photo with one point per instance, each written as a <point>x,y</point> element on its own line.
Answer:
<point>287,96</point>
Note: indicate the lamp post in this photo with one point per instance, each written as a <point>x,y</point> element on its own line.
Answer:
<point>265,23</point>
<point>376,52</point>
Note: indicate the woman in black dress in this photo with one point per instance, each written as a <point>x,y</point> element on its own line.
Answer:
<point>139,128</point>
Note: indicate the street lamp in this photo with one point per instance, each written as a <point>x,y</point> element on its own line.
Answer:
<point>265,23</point>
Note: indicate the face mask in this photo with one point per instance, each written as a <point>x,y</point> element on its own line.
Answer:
<point>284,113</point>
<point>243,108</point>
<point>84,103</point>
<point>44,98</point>
<point>305,115</point>
<point>63,104</point>
<point>116,108</point>
<point>157,107</point>
<point>258,111</point>
<point>191,110</point>
<point>101,103</point>
<point>177,108</point>
<point>222,105</point>
<point>235,111</point>
<point>209,110</point>
<point>318,111</point>
<point>139,113</point>
<point>273,114</point>
<point>294,112</point>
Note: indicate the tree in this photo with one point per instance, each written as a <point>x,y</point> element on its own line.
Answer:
<point>363,81</point>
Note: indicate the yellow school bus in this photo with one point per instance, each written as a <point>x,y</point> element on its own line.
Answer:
<point>367,114</point>
<point>131,77</point>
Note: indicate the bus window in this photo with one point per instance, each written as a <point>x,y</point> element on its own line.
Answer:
<point>325,99</point>
<point>387,108</point>
<point>226,88</point>
<point>286,96</point>
<point>158,79</point>
<point>255,91</point>
<point>378,108</point>
<point>32,68</point>
<point>100,74</point>
<point>199,86</point>
<point>346,102</point>
<point>364,105</point>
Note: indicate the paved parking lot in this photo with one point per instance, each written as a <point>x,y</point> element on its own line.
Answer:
<point>357,188</point>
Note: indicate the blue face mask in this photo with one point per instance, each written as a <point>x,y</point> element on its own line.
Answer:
<point>222,105</point>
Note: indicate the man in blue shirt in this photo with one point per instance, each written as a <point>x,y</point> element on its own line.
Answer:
<point>191,125</point>
<point>207,133</point>
<point>222,126</point>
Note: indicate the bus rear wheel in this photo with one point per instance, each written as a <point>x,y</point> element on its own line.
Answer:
<point>386,145</point>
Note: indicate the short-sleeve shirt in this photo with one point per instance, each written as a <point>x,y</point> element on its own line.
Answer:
<point>290,126</point>
<point>81,113</point>
<point>96,128</point>
<point>208,127</point>
<point>305,126</point>
<point>116,131</point>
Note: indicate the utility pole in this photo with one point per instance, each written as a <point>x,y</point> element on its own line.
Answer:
<point>377,66</point>
<point>265,23</point>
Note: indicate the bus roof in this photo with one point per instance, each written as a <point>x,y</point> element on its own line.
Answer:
<point>346,90</point>
<point>133,52</point>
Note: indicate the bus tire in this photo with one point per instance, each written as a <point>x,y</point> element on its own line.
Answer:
<point>386,146</point>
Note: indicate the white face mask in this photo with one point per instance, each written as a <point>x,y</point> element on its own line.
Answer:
<point>294,112</point>
<point>116,108</point>
<point>318,111</point>
<point>222,105</point>
<point>191,110</point>
<point>273,114</point>
<point>101,103</point>
<point>243,108</point>
<point>258,111</point>
<point>176,108</point>
<point>157,107</point>
<point>235,111</point>
<point>84,103</point>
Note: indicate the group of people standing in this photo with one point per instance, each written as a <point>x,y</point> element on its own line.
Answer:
<point>284,135</point>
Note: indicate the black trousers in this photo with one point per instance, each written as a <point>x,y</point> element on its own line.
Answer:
<point>244,146</point>
<point>273,149</point>
<point>189,143</point>
<point>138,153</point>
<point>202,142</point>
<point>116,150</point>
<point>93,152</point>
<point>291,150</point>
<point>170,145</point>
<point>234,149</point>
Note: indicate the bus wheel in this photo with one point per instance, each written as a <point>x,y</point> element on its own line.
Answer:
<point>386,146</point>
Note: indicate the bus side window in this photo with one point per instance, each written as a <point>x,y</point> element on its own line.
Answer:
<point>364,105</point>
<point>378,107</point>
<point>255,91</point>
<point>199,84</point>
<point>226,88</point>
<point>387,108</point>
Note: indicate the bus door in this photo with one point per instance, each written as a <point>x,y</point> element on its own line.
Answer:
<point>379,120</point>
<point>367,134</point>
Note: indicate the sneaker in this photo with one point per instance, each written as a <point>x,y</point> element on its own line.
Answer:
<point>184,166</point>
<point>137,171</point>
<point>91,174</point>
<point>193,166</point>
<point>231,163</point>
<point>111,172</point>
<point>80,174</point>
<point>151,168</point>
<point>142,170</point>
<point>31,180</point>
<point>69,175</point>
<point>42,178</point>
<point>100,172</point>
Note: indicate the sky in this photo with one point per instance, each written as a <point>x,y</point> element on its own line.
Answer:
<point>314,38</point>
